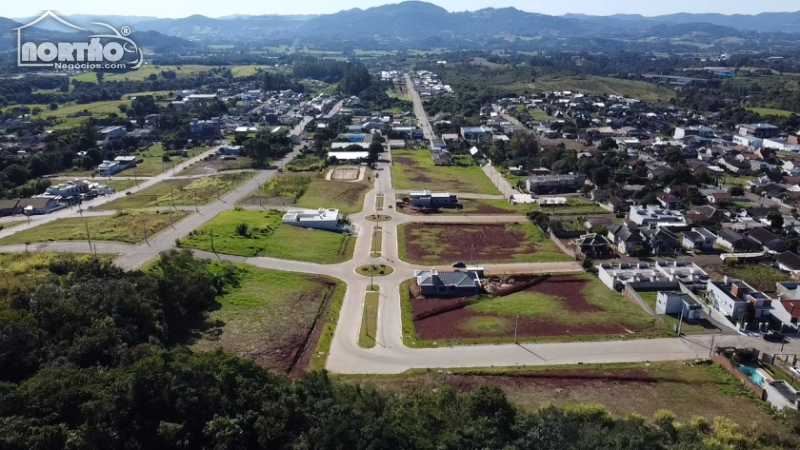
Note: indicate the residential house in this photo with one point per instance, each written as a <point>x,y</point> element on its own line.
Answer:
<point>769,242</point>
<point>698,238</point>
<point>599,195</point>
<point>112,133</point>
<point>661,240</point>
<point>433,283</point>
<point>108,168</point>
<point>759,130</point>
<point>750,142</point>
<point>789,262</point>
<point>735,242</point>
<point>37,206</point>
<point>719,197</point>
<point>702,131</point>
<point>618,205</point>
<point>205,129</point>
<point>9,207</point>
<point>733,297</point>
<point>734,166</point>
<point>594,246</point>
<point>321,219</point>
<point>654,215</point>
<point>669,201</point>
<point>664,275</point>
<point>555,184</point>
<point>625,237</point>
<point>678,304</point>
<point>428,199</point>
<point>474,134</point>
<point>780,395</point>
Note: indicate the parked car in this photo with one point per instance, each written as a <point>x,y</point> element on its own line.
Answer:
<point>774,336</point>
<point>460,265</point>
<point>795,371</point>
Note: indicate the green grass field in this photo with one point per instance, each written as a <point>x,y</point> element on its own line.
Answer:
<point>440,244</point>
<point>126,226</point>
<point>540,115</point>
<point>594,84</point>
<point>771,112</point>
<point>368,333</point>
<point>265,235</point>
<point>613,308</point>
<point>30,269</point>
<point>267,316</point>
<point>99,110</point>
<point>759,276</point>
<point>414,170</point>
<point>182,192</point>
<point>312,191</point>
<point>184,71</point>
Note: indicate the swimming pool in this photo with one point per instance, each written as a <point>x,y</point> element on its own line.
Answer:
<point>753,374</point>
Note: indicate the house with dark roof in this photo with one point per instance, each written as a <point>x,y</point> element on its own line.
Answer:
<point>705,214</point>
<point>735,166</point>
<point>789,262</point>
<point>618,205</point>
<point>9,207</point>
<point>594,246</point>
<point>662,240</point>
<point>41,205</point>
<point>433,283</point>
<point>719,197</point>
<point>669,201</point>
<point>768,241</point>
<point>736,242</point>
<point>625,237</point>
<point>698,238</point>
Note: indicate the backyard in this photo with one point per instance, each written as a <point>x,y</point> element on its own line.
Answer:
<point>181,192</point>
<point>269,317</point>
<point>414,170</point>
<point>312,191</point>
<point>701,326</point>
<point>125,226</point>
<point>444,244</point>
<point>261,233</point>
<point>557,307</point>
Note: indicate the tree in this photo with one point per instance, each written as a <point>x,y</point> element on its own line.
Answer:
<point>775,221</point>
<point>260,150</point>
<point>792,244</point>
<point>53,106</point>
<point>736,191</point>
<point>673,156</point>
<point>608,144</point>
<point>375,150</point>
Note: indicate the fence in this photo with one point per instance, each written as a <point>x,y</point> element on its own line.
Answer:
<point>723,361</point>
<point>562,246</point>
<point>632,296</point>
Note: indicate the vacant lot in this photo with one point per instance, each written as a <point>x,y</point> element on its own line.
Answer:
<point>312,191</point>
<point>601,85</point>
<point>184,192</point>
<point>216,164</point>
<point>30,269</point>
<point>125,226</point>
<point>269,317</point>
<point>261,233</point>
<point>771,112</point>
<point>561,307</point>
<point>443,244</point>
<point>705,390</point>
<point>759,276</point>
<point>414,170</point>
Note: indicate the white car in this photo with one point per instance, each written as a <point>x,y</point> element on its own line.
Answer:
<point>795,371</point>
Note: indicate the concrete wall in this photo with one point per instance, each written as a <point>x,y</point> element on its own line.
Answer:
<point>727,365</point>
<point>632,296</point>
<point>561,246</point>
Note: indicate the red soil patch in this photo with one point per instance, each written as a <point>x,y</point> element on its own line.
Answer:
<point>456,242</point>
<point>448,319</point>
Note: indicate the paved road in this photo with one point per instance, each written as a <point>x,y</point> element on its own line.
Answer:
<point>419,110</point>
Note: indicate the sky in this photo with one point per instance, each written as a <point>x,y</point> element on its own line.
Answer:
<point>216,8</point>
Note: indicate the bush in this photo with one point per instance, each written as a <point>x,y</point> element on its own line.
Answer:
<point>243,230</point>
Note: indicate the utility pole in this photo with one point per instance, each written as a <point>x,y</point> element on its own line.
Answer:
<point>144,227</point>
<point>88,237</point>
<point>172,198</point>
<point>680,324</point>
<point>516,326</point>
<point>212,243</point>
<point>135,180</point>
<point>711,349</point>
<point>195,202</point>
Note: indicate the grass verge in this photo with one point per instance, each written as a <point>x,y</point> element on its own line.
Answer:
<point>328,323</point>
<point>369,321</point>
<point>125,226</point>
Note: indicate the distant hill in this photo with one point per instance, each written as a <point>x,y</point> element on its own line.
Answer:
<point>420,21</point>
<point>161,43</point>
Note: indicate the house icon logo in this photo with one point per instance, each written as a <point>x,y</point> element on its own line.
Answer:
<point>110,50</point>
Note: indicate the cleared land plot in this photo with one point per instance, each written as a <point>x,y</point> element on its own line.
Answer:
<point>97,110</point>
<point>181,192</point>
<point>214,165</point>
<point>771,112</point>
<point>269,317</point>
<point>345,174</point>
<point>601,85</point>
<point>443,244</point>
<point>261,233</point>
<point>414,170</point>
<point>125,226</point>
<point>759,276</point>
<point>30,269</point>
<point>560,307</point>
<point>700,326</point>
<point>700,390</point>
<point>369,321</point>
<point>311,191</point>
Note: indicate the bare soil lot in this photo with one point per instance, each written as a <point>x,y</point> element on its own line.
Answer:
<point>444,244</point>
<point>345,174</point>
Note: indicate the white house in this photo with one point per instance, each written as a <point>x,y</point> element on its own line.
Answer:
<point>698,238</point>
<point>321,219</point>
<point>108,168</point>
<point>652,215</point>
<point>748,141</point>
<point>678,304</point>
<point>732,298</point>
<point>666,275</point>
